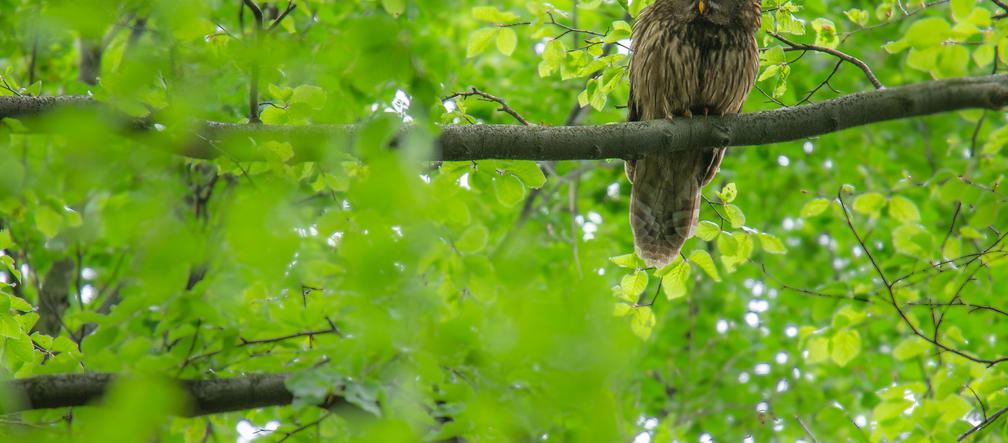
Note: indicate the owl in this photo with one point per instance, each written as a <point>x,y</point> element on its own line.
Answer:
<point>690,58</point>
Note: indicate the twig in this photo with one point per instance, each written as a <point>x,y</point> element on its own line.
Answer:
<point>503,104</point>
<point>808,97</point>
<point>955,216</point>
<point>806,429</point>
<point>804,291</point>
<point>306,426</point>
<point>896,305</point>
<point>984,423</point>
<point>983,407</point>
<point>253,99</point>
<point>332,330</point>
<point>8,87</point>
<point>290,8</point>
<point>843,56</point>
<point>192,346</point>
<point>568,29</point>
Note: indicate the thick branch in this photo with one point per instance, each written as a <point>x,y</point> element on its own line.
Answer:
<point>622,140</point>
<point>206,396</point>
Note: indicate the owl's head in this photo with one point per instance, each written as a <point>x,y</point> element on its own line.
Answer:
<point>722,12</point>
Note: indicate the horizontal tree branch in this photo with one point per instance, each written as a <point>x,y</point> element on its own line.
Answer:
<point>621,140</point>
<point>205,396</point>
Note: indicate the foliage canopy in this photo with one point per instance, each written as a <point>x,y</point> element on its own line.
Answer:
<point>845,287</point>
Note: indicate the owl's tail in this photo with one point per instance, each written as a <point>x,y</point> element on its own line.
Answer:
<point>665,201</point>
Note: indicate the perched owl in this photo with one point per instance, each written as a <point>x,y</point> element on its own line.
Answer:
<point>690,58</point>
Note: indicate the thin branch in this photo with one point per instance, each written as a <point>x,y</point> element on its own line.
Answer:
<point>806,429</point>
<point>253,98</point>
<point>852,297</point>
<point>568,29</point>
<point>984,423</point>
<point>488,97</point>
<point>983,407</point>
<point>896,305</point>
<point>290,8</point>
<point>841,55</point>
<point>301,428</point>
<point>1001,4</point>
<point>955,216</point>
<point>808,97</point>
<point>331,330</point>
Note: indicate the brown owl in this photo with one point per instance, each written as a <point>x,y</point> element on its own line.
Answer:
<point>690,58</point>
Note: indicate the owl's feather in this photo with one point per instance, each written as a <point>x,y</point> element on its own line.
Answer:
<point>684,64</point>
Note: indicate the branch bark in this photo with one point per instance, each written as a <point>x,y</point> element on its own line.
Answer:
<point>206,396</point>
<point>623,140</point>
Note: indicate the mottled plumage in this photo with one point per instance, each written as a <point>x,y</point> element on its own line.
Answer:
<point>690,58</point>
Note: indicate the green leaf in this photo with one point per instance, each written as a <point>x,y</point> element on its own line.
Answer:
<point>845,346</point>
<point>473,239</point>
<point>891,408</point>
<point>627,261</point>
<point>479,41</point>
<point>9,327</point>
<point>281,93</point>
<point>728,193</point>
<point>818,350</point>
<point>910,347</point>
<point>642,322</point>
<point>493,15</point>
<point>814,208</point>
<point>507,40</point>
<point>312,96</point>
<point>927,32</point>
<point>509,190</point>
<point>913,240</point>
<point>707,230</point>
<point>675,281</point>
<point>734,216</point>
<point>394,7</point>
<point>529,172</point>
<point>953,408</point>
<point>848,316</point>
<point>621,309</point>
<point>19,304</point>
<point>869,203</point>
<point>771,244</point>
<point>903,210</point>
<point>48,221</point>
<point>961,9</point>
<point>705,262</point>
<point>826,33</point>
<point>555,52</point>
<point>5,239</point>
<point>632,285</point>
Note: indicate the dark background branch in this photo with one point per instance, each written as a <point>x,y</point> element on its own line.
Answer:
<point>206,396</point>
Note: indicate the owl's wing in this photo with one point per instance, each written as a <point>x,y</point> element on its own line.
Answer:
<point>633,114</point>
